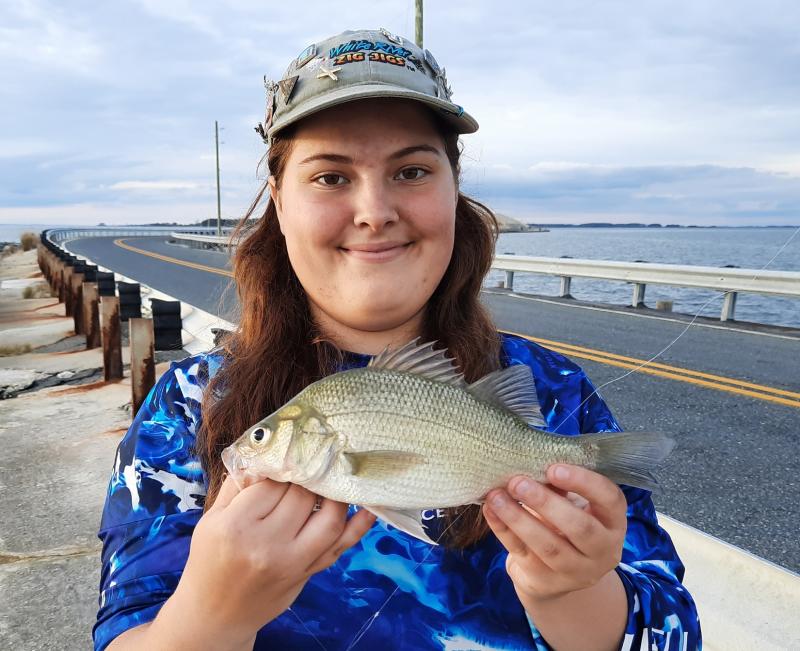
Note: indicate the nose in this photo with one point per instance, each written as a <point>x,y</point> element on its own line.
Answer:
<point>374,207</point>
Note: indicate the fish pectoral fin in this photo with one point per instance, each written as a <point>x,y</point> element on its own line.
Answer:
<point>381,463</point>
<point>409,521</point>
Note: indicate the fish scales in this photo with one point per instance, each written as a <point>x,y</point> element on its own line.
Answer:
<point>465,444</point>
<point>407,433</point>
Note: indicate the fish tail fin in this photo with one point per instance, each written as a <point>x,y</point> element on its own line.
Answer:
<point>629,457</point>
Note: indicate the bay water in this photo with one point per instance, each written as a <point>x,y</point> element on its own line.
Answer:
<point>748,248</point>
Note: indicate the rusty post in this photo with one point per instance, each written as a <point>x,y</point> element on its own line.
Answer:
<point>111,338</point>
<point>55,274</point>
<point>143,360</point>
<point>58,279</point>
<point>91,315</point>
<point>77,303</point>
<point>67,289</point>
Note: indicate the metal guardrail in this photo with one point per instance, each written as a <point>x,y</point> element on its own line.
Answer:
<point>731,281</point>
<point>208,241</point>
<point>58,235</point>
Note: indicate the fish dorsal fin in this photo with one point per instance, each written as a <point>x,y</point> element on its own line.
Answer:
<point>420,359</point>
<point>511,388</point>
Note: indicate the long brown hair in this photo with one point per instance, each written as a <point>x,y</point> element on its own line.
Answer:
<point>277,350</point>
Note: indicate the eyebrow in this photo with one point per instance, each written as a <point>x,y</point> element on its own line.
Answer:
<point>400,153</point>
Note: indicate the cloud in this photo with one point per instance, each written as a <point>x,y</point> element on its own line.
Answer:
<point>45,36</point>
<point>691,109</point>
<point>160,186</point>
<point>711,194</point>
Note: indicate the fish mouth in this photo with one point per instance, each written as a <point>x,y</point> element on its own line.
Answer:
<point>236,465</point>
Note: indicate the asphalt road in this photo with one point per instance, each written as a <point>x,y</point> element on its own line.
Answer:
<point>734,473</point>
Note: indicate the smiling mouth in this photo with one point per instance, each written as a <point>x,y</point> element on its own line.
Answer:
<point>376,252</point>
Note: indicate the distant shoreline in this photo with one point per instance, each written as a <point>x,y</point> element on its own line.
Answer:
<point>637,225</point>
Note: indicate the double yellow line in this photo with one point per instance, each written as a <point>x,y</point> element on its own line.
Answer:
<point>166,258</point>
<point>707,380</point>
<point>698,378</point>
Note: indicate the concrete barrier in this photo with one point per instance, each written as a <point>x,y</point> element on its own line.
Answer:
<point>745,602</point>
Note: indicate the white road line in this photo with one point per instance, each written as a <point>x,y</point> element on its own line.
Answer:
<point>638,316</point>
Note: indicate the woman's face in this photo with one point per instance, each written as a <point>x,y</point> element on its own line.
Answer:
<point>367,206</point>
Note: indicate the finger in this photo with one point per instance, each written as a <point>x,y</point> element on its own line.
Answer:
<point>504,534</point>
<point>353,531</point>
<point>521,560</point>
<point>553,550</point>
<point>581,528</point>
<point>227,492</point>
<point>291,512</point>
<point>257,501</point>
<point>606,499</point>
<point>540,581</point>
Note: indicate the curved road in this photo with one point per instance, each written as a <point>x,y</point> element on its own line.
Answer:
<point>729,395</point>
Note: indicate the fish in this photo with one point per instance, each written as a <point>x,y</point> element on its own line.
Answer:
<point>407,433</point>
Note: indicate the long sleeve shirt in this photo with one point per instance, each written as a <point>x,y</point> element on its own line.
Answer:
<point>390,589</point>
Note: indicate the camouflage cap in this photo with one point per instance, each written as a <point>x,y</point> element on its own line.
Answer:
<point>359,65</point>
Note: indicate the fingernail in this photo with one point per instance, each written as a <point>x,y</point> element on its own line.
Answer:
<point>561,472</point>
<point>523,486</point>
<point>498,500</point>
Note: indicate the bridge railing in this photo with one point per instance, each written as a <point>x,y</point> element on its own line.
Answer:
<point>58,235</point>
<point>204,240</point>
<point>730,281</point>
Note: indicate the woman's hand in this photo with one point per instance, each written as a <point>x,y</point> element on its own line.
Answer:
<point>254,549</point>
<point>556,546</point>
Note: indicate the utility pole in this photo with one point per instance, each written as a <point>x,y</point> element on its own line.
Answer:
<point>418,22</point>
<point>219,205</point>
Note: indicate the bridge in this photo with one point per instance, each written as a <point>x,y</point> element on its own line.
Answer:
<point>728,392</point>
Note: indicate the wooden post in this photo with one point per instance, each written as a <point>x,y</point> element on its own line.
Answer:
<point>77,303</point>
<point>143,360</point>
<point>111,338</point>
<point>66,289</point>
<point>664,306</point>
<point>91,315</point>
<point>55,281</point>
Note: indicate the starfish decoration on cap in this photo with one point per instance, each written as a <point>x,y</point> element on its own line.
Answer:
<point>263,127</point>
<point>325,71</point>
<point>443,88</point>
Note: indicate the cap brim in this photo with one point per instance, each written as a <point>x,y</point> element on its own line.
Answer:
<point>452,113</point>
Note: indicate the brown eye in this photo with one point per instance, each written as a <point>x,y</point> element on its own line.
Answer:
<point>412,173</point>
<point>259,435</point>
<point>331,179</point>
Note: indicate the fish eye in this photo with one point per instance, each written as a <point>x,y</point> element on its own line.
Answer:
<point>259,434</point>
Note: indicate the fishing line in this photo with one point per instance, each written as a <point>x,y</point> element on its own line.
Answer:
<point>674,341</point>
<point>308,630</point>
<point>371,620</point>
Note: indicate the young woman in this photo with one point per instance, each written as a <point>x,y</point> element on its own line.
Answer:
<point>366,242</point>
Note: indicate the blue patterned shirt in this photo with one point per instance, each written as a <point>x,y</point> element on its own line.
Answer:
<point>440,599</point>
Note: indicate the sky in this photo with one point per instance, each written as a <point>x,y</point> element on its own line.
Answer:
<point>676,111</point>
